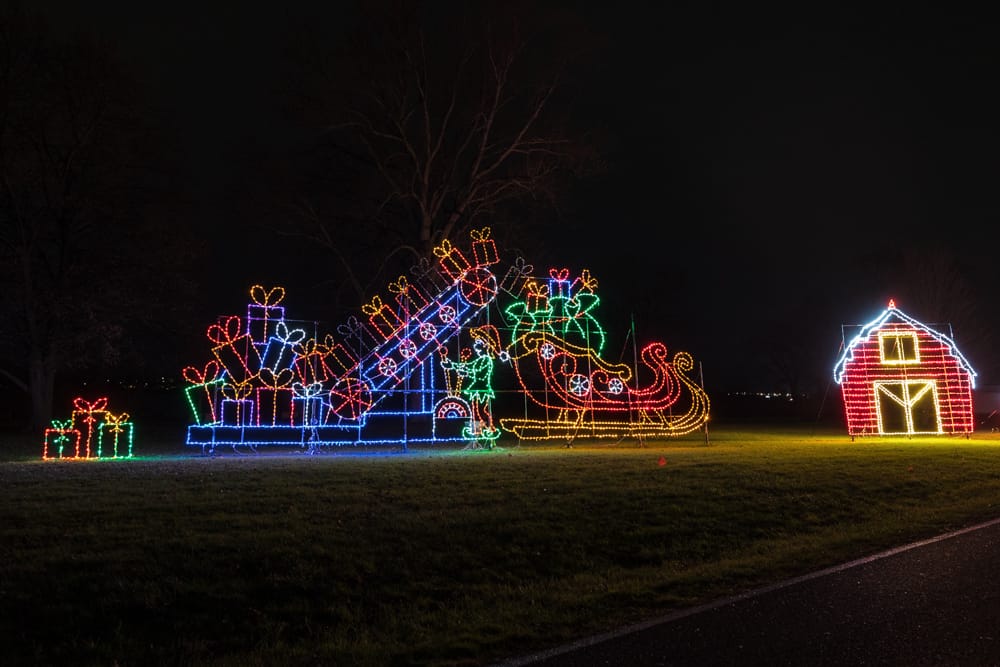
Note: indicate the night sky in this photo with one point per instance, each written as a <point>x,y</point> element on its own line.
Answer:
<point>763,165</point>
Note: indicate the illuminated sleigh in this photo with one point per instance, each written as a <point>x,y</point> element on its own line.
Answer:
<point>575,392</point>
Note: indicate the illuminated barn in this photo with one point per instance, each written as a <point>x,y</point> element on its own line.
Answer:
<point>900,377</point>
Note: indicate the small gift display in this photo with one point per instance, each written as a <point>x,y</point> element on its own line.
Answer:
<point>91,432</point>
<point>269,382</point>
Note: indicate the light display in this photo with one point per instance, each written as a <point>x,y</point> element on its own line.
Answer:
<point>900,377</point>
<point>421,366</point>
<point>555,350</point>
<point>91,432</point>
<point>377,381</point>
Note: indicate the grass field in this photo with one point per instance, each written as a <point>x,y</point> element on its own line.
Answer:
<point>441,557</point>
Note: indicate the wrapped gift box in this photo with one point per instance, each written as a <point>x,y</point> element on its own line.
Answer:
<point>264,312</point>
<point>237,412</point>
<point>114,437</point>
<point>516,276</point>
<point>559,284</point>
<point>61,441</point>
<point>234,351</point>
<point>451,260</point>
<point>409,298</point>
<point>87,415</point>
<point>275,406</point>
<point>383,318</point>
<point>484,250</point>
<point>279,353</point>
<point>310,362</point>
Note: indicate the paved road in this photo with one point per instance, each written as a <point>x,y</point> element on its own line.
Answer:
<point>935,602</point>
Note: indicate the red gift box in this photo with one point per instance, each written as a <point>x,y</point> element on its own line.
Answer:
<point>338,359</point>
<point>451,260</point>
<point>538,297</point>
<point>484,250</point>
<point>384,319</point>
<point>235,352</point>
<point>310,364</point>
<point>274,399</point>
<point>61,441</point>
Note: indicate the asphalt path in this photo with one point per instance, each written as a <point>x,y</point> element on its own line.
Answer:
<point>934,602</point>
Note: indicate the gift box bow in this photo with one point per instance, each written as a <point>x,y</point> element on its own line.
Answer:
<point>588,282</point>
<point>225,333</point>
<point>480,234</point>
<point>116,423</point>
<point>195,376</point>
<point>521,268</point>
<point>86,406</point>
<point>422,268</point>
<point>537,289</point>
<point>400,286</point>
<point>273,380</point>
<point>444,249</point>
<point>307,390</point>
<point>351,328</point>
<point>374,307</point>
<point>309,347</point>
<point>559,274</point>
<point>267,297</point>
<point>64,425</point>
<point>236,392</point>
<point>289,337</point>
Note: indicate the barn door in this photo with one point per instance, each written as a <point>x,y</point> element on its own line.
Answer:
<point>907,407</point>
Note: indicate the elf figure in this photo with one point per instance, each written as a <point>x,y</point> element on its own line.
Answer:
<point>475,375</point>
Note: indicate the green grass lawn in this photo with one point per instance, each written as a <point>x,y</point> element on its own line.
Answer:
<point>442,557</point>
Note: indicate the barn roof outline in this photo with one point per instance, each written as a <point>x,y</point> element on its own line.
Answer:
<point>893,312</point>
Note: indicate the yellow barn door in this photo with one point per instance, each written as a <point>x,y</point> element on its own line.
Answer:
<point>907,407</point>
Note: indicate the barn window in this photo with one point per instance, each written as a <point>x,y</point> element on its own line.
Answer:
<point>899,347</point>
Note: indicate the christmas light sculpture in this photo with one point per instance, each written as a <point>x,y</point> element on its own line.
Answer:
<point>91,432</point>
<point>555,350</point>
<point>420,366</point>
<point>901,377</point>
<point>377,381</point>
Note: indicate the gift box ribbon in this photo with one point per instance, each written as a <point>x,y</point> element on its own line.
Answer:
<point>267,297</point>
<point>84,405</point>
<point>195,376</point>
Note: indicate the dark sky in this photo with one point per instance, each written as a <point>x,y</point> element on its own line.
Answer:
<point>764,161</point>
